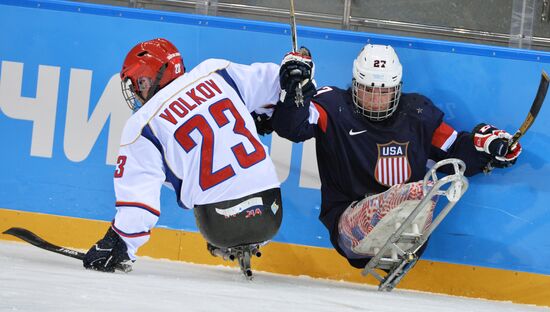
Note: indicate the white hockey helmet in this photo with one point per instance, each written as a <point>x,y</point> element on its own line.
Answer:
<point>376,86</point>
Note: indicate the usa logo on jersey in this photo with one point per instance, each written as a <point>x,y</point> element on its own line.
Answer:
<point>392,166</point>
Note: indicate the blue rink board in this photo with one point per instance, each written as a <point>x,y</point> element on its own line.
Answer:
<point>503,221</point>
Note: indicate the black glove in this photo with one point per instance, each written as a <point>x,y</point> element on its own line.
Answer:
<point>108,254</point>
<point>297,69</point>
<point>495,143</point>
<point>263,123</point>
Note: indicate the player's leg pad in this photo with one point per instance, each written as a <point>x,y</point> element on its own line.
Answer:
<point>367,225</point>
<point>252,219</point>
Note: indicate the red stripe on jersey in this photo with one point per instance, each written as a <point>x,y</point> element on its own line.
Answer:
<point>323,119</point>
<point>129,235</point>
<point>138,205</point>
<point>442,134</point>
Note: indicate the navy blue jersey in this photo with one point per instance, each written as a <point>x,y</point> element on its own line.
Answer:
<point>357,157</point>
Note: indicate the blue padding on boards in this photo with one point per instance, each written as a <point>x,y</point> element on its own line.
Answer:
<point>62,115</point>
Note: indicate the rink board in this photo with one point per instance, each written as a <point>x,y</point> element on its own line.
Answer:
<point>62,114</point>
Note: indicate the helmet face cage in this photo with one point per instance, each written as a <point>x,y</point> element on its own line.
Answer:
<point>130,95</point>
<point>376,86</point>
<point>375,103</point>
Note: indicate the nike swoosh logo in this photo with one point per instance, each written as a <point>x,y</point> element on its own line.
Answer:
<point>351,132</point>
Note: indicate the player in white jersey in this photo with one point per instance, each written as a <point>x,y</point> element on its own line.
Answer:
<point>194,131</point>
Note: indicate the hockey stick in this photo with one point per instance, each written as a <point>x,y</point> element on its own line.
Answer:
<point>534,110</point>
<point>37,241</point>
<point>530,119</point>
<point>299,96</point>
<point>293,27</point>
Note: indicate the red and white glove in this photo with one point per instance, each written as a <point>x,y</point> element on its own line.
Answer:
<point>495,142</point>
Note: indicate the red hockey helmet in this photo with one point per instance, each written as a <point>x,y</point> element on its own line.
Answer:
<point>149,67</point>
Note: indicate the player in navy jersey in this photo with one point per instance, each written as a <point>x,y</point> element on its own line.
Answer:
<point>195,131</point>
<point>374,142</point>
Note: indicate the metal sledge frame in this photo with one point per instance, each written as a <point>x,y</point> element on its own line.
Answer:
<point>241,253</point>
<point>406,259</point>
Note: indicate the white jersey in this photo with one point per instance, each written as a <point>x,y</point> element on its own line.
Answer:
<point>196,134</point>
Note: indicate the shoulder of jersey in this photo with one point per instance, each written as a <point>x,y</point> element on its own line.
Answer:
<point>136,123</point>
<point>419,105</point>
<point>208,66</point>
<point>328,93</point>
<point>133,127</point>
<point>329,96</point>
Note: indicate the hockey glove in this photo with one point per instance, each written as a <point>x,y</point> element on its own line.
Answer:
<point>108,254</point>
<point>297,69</point>
<point>263,123</point>
<point>495,142</point>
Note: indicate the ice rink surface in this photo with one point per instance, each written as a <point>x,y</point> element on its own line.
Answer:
<point>32,279</point>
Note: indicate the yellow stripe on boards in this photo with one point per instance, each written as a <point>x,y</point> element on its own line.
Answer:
<point>436,277</point>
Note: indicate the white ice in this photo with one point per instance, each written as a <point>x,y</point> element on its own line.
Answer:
<point>32,279</point>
